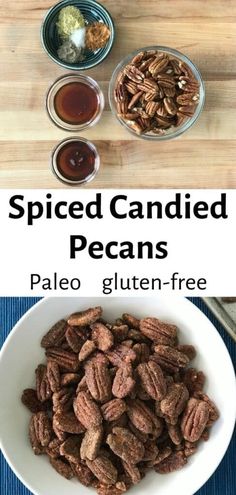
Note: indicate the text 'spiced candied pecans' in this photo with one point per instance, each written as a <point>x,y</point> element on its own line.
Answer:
<point>156,91</point>
<point>114,401</point>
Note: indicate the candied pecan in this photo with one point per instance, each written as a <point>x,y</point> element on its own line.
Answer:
<point>121,355</point>
<point>142,352</point>
<point>123,382</point>
<point>175,434</point>
<point>30,400</point>
<point>98,379</point>
<point>87,411</point>
<point>102,336</point>
<point>174,402</point>
<point>189,350</point>
<point>169,358</point>
<point>82,386</point>
<point>151,451</point>
<point>69,379</point>
<point>91,443</point>
<point>98,357</point>
<point>122,421</point>
<point>190,449</point>
<point>132,471</point>
<point>84,318</point>
<point>55,336</point>
<point>73,339</point>
<point>162,454</point>
<point>82,473</point>
<point>87,349</point>
<point>113,409</point>
<point>43,388</point>
<point>158,331</point>
<point>124,444</point>
<point>62,468</point>
<point>120,332</point>
<point>152,380</point>
<point>53,374</point>
<point>40,430</point>
<point>62,400</point>
<point>173,462</point>
<point>53,448</point>
<point>193,379</point>
<point>65,359</point>
<point>143,418</point>
<point>61,435</point>
<point>195,419</point>
<point>213,411</point>
<point>67,422</point>
<point>143,437</point>
<point>128,343</point>
<point>70,449</point>
<point>103,469</point>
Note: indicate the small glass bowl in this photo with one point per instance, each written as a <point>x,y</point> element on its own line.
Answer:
<point>54,162</point>
<point>63,81</point>
<point>173,132</point>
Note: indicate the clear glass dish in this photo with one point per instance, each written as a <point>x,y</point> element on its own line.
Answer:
<point>173,132</point>
<point>57,86</point>
<point>59,174</point>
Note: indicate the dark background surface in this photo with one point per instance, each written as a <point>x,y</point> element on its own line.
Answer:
<point>223,481</point>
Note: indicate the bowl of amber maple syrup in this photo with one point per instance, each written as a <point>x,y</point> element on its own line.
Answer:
<point>75,161</point>
<point>75,102</point>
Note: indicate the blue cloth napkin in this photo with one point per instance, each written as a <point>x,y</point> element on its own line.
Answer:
<point>223,481</point>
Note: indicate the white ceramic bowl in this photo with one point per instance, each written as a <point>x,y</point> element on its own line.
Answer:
<point>21,353</point>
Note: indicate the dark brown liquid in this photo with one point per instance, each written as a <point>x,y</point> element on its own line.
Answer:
<point>76,161</point>
<point>76,103</point>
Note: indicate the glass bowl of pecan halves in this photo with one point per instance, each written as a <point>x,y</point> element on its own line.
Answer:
<point>157,93</point>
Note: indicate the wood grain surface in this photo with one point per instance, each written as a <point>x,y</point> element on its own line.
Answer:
<point>205,157</point>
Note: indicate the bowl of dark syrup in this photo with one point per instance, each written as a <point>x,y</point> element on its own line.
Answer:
<point>75,161</point>
<point>75,102</point>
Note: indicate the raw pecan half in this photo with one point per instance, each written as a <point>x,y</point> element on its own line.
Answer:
<point>124,444</point>
<point>87,411</point>
<point>152,379</point>
<point>98,380</point>
<point>195,419</point>
<point>103,469</point>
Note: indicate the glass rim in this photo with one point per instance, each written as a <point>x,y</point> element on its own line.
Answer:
<point>56,86</point>
<point>54,166</point>
<point>178,130</point>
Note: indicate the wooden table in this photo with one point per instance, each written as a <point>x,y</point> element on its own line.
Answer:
<point>205,156</point>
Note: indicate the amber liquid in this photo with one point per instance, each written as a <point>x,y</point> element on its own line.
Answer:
<point>76,103</point>
<point>76,161</point>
